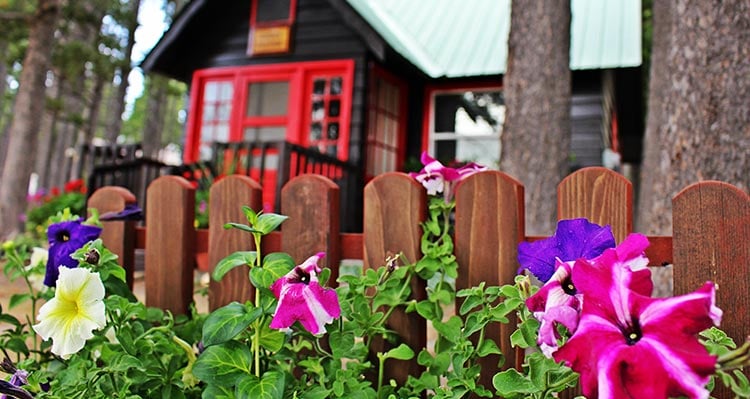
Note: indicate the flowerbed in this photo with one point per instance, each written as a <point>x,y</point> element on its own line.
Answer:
<point>301,338</point>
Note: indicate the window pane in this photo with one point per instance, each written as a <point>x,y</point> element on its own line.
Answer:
<point>211,92</point>
<point>336,86</point>
<point>272,10</point>
<point>316,131</point>
<point>265,133</point>
<point>333,131</point>
<point>334,108</point>
<point>319,86</point>
<point>267,98</point>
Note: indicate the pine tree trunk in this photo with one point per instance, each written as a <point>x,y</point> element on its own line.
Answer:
<point>118,101</point>
<point>701,117</point>
<point>154,123</point>
<point>47,136</point>
<point>92,122</point>
<point>537,87</point>
<point>29,105</point>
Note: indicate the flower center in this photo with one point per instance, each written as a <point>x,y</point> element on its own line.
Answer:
<point>568,287</point>
<point>63,236</point>
<point>632,332</point>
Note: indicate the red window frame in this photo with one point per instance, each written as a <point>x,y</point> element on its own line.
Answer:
<point>298,118</point>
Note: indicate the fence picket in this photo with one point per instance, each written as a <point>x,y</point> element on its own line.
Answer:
<point>312,204</point>
<point>170,242</point>
<point>489,225</point>
<point>711,224</point>
<point>119,236</point>
<point>226,199</point>
<point>599,194</point>
<point>394,207</point>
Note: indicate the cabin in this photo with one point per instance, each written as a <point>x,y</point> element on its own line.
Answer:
<point>355,88</point>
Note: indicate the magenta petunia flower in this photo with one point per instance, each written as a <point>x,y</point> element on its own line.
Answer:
<point>573,239</point>
<point>301,298</point>
<point>65,238</point>
<point>628,345</point>
<point>559,301</point>
<point>437,178</point>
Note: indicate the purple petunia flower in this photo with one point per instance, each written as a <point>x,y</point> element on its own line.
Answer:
<point>629,345</point>
<point>437,178</point>
<point>18,379</point>
<point>573,239</point>
<point>301,298</point>
<point>130,212</point>
<point>559,301</point>
<point>65,238</point>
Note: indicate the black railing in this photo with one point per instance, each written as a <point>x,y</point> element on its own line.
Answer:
<point>286,160</point>
<point>135,175</point>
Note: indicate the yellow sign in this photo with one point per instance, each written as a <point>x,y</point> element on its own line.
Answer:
<point>269,40</point>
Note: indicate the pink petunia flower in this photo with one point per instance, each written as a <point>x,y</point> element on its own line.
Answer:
<point>301,298</point>
<point>629,345</point>
<point>437,178</point>
<point>559,301</point>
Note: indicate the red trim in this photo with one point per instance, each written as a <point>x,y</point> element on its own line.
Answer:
<point>299,75</point>
<point>429,104</point>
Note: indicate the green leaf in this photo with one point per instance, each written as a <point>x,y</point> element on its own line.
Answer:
<point>225,323</point>
<point>250,215</point>
<point>450,330</point>
<point>510,383</point>
<point>17,299</point>
<point>488,347</point>
<point>341,343</point>
<point>224,363</point>
<point>270,339</point>
<point>243,227</point>
<point>401,352</point>
<point>470,303</point>
<point>278,264</point>
<point>230,262</point>
<point>269,386</point>
<point>268,222</point>
<point>427,310</point>
<point>316,392</point>
<point>215,391</point>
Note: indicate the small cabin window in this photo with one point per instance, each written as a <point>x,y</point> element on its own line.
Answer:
<point>271,23</point>
<point>465,125</point>
<point>386,124</point>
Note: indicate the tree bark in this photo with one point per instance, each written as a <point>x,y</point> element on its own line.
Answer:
<point>699,121</point>
<point>537,87</point>
<point>25,126</point>
<point>155,115</point>
<point>118,101</point>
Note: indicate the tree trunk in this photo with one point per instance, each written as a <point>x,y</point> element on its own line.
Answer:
<point>47,135</point>
<point>118,101</point>
<point>699,121</point>
<point>26,110</point>
<point>95,105</point>
<point>537,87</point>
<point>154,123</point>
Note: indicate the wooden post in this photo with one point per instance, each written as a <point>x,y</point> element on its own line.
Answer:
<point>227,197</point>
<point>489,225</point>
<point>600,195</point>
<point>170,243</point>
<point>312,204</point>
<point>117,236</point>
<point>394,207</point>
<point>711,224</point>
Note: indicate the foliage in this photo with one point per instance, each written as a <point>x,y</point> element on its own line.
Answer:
<point>43,207</point>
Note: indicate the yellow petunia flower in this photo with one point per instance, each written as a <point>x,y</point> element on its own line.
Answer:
<point>74,313</point>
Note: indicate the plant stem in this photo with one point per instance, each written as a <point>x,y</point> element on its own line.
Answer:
<point>259,322</point>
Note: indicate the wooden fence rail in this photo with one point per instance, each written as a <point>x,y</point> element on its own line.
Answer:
<point>711,233</point>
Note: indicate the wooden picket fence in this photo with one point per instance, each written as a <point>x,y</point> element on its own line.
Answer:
<point>710,241</point>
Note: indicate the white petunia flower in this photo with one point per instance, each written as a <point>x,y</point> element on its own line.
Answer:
<point>74,313</point>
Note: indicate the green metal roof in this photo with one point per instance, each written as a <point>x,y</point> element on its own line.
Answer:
<point>454,38</point>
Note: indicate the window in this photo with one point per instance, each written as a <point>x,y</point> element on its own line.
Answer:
<point>271,24</point>
<point>464,125</point>
<point>216,112</point>
<point>305,103</point>
<point>386,126</point>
